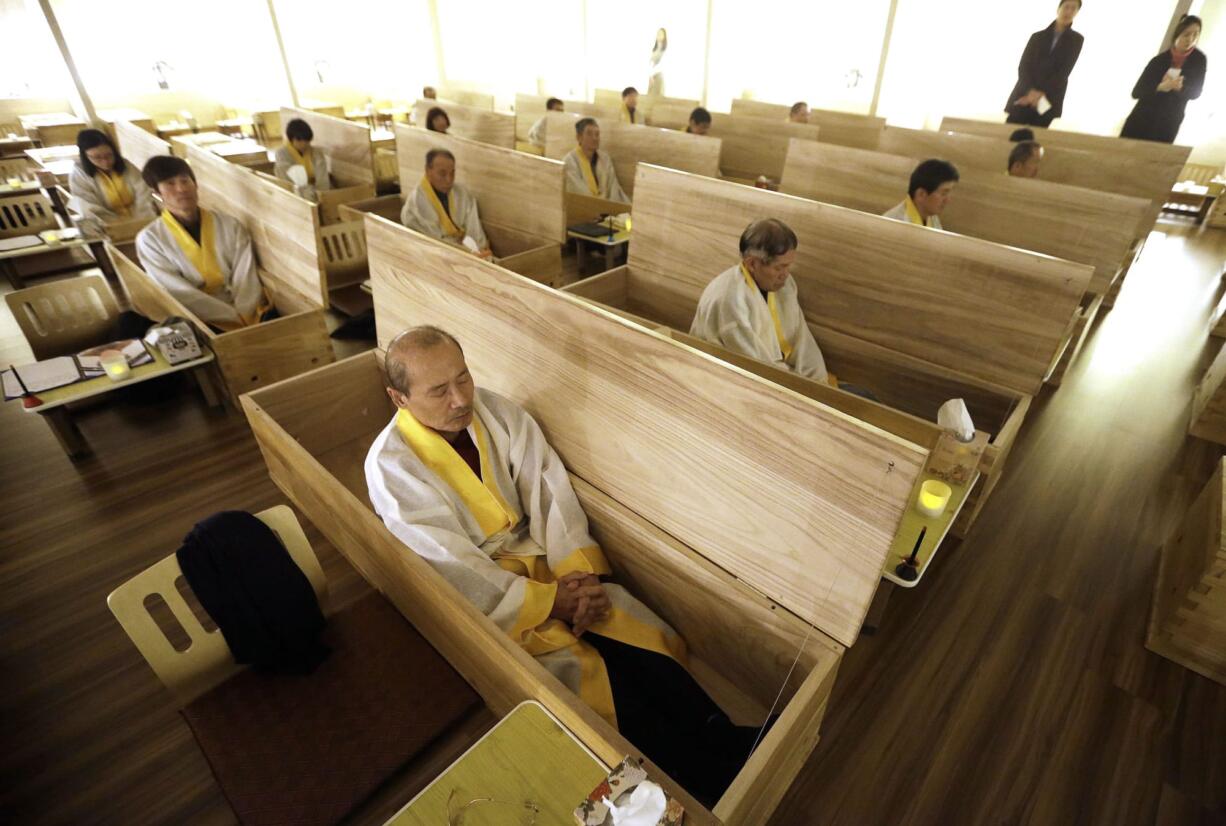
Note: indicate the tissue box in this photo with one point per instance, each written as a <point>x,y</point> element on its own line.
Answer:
<point>618,785</point>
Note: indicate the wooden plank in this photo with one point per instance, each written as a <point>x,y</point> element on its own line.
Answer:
<point>451,93</point>
<point>138,146</point>
<point>993,313</point>
<point>1072,223</point>
<point>842,128</point>
<point>1209,403</point>
<point>271,351</point>
<point>346,143</point>
<point>284,228</point>
<point>475,124</point>
<point>611,100</point>
<point>836,498</point>
<point>531,108</point>
<point>750,147</point>
<point>629,145</point>
<point>1151,150</point>
<point>515,190</point>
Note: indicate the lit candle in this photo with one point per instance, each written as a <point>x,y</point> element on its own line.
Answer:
<point>115,365</point>
<point>933,497</point>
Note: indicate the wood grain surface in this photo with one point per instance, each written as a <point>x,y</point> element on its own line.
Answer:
<point>470,122</point>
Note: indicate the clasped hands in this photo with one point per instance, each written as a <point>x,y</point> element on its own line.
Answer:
<point>1171,84</point>
<point>580,602</point>
<point>1031,98</point>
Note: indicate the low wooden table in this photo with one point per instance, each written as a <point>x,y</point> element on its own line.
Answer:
<point>8,190</point>
<point>13,146</point>
<point>612,246</point>
<point>95,246</point>
<point>54,403</point>
<point>526,769</point>
<point>53,128</point>
<point>1190,199</point>
<point>242,152</point>
<point>57,160</point>
<point>133,116</point>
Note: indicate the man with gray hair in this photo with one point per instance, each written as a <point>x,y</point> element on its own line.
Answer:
<point>443,209</point>
<point>752,308</point>
<point>589,169</point>
<point>465,479</point>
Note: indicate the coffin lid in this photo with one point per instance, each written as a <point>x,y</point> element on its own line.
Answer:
<point>796,499</point>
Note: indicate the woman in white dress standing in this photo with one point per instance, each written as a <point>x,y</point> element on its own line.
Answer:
<point>655,82</point>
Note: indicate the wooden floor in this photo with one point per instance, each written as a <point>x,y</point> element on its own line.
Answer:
<point>1011,687</point>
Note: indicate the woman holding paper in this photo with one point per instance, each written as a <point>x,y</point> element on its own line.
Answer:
<point>1042,74</point>
<point>1169,81</point>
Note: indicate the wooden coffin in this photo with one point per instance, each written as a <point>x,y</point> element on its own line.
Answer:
<point>611,100</point>
<point>749,147</point>
<point>283,231</point>
<point>915,316</point>
<point>1187,621</point>
<point>841,128</point>
<point>678,509</point>
<point>480,125</point>
<point>348,147</point>
<point>531,108</point>
<point>629,145</point>
<point>137,146</point>
<point>520,198</point>
<point>1071,223</point>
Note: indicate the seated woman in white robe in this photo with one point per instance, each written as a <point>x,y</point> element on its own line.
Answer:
<point>932,185</point>
<point>465,478</point>
<point>442,209</point>
<point>104,186</point>
<point>202,257</point>
<point>297,151</point>
<point>590,171</point>
<point>536,135</point>
<point>752,308</point>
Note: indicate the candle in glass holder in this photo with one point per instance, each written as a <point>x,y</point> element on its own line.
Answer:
<point>933,498</point>
<point>115,365</point>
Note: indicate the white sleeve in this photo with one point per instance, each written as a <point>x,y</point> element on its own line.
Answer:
<point>245,284</point>
<point>163,269</point>
<point>83,188</point>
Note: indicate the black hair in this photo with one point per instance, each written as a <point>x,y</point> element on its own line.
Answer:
<point>434,112</point>
<point>700,115</point>
<point>769,238</point>
<point>1186,22</point>
<point>91,139</point>
<point>164,167</point>
<point>582,124</point>
<point>929,176</point>
<point>549,104</point>
<point>629,90</point>
<point>1022,134</point>
<point>436,153</point>
<point>797,107</point>
<point>1023,152</point>
<point>299,130</point>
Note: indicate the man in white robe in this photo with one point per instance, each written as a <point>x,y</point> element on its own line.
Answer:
<point>443,209</point>
<point>932,186</point>
<point>536,135</point>
<point>202,257</point>
<point>752,308</point>
<point>105,188</point>
<point>298,151</point>
<point>590,171</point>
<point>465,478</point>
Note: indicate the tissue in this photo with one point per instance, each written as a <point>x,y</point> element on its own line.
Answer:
<point>297,175</point>
<point>954,417</point>
<point>644,808</point>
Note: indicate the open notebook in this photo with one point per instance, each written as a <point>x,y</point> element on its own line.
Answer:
<point>49,374</point>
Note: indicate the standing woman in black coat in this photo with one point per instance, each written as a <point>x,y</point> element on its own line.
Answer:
<point>1169,81</point>
<point>1043,71</point>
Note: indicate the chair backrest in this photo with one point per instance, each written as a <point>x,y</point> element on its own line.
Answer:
<point>206,662</point>
<point>65,316</point>
<point>22,168</point>
<point>26,215</point>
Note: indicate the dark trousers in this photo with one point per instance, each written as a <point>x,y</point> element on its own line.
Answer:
<point>1029,116</point>
<point>664,712</point>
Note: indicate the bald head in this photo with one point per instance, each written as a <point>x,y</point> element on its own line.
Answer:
<point>426,374</point>
<point>410,347</point>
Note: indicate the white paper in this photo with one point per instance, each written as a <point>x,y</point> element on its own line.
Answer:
<point>1044,105</point>
<point>298,174</point>
<point>470,243</point>
<point>49,374</point>
<point>954,417</point>
<point>1174,73</point>
<point>12,389</point>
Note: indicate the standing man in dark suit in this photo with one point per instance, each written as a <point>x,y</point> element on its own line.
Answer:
<point>1043,72</point>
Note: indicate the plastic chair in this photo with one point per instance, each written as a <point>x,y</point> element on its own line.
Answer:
<point>206,662</point>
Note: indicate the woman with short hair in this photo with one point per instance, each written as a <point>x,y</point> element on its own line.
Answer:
<point>106,188</point>
<point>298,151</point>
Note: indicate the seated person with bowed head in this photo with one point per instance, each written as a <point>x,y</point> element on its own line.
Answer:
<point>536,135</point>
<point>1025,158</point>
<point>465,479</point>
<point>700,122</point>
<point>202,257</point>
<point>429,93</point>
<point>589,171</point>
<point>932,185</point>
<point>437,120</point>
<point>106,187</point>
<point>1022,134</point>
<point>752,308</point>
<point>442,209</point>
<point>297,151</point>
<point>630,105</point>
<point>799,112</point>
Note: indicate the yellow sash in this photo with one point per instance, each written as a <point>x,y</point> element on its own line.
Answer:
<point>773,304</point>
<point>305,160</point>
<point>627,115</point>
<point>913,214</point>
<point>202,256</point>
<point>444,218</point>
<point>115,189</point>
<point>589,176</point>
<point>481,496</point>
